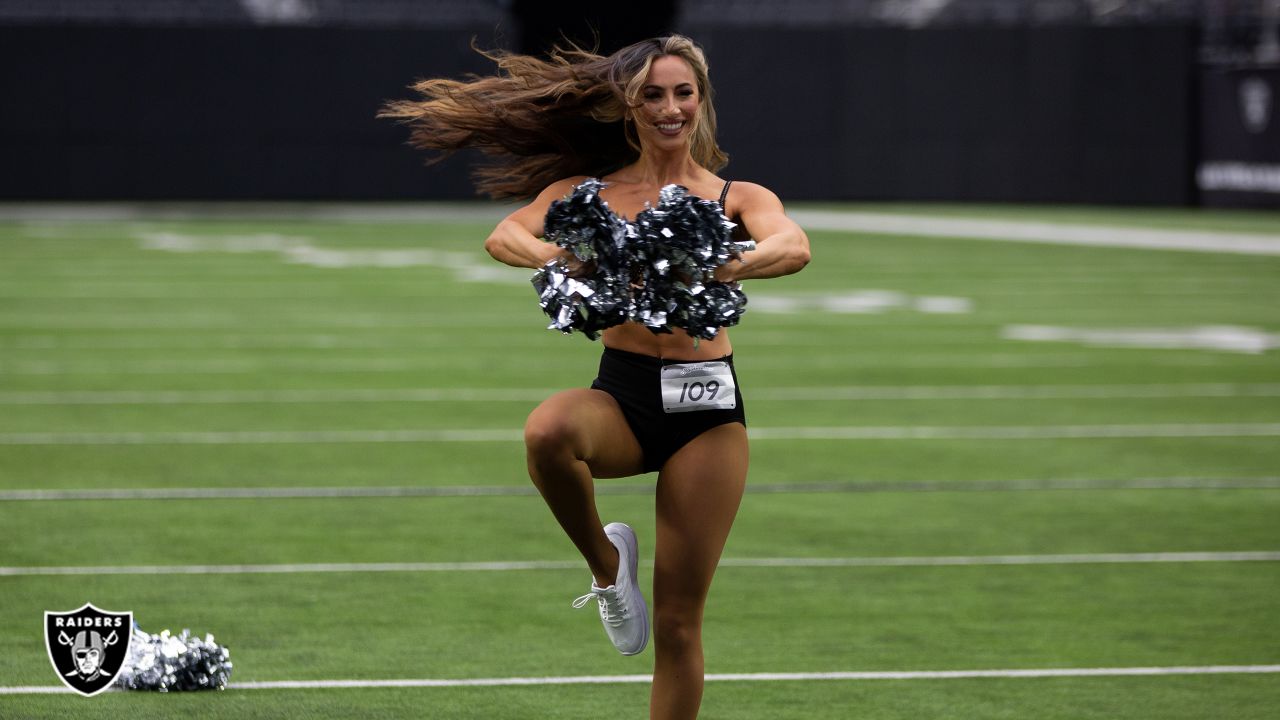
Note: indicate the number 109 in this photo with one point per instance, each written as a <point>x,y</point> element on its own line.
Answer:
<point>696,390</point>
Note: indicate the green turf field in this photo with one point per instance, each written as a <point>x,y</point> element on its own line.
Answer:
<point>930,490</point>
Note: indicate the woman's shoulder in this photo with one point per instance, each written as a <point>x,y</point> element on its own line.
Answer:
<point>744,194</point>
<point>748,188</point>
<point>570,182</point>
<point>563,187</point>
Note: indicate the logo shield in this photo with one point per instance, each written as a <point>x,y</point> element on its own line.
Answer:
<point>88,646</point>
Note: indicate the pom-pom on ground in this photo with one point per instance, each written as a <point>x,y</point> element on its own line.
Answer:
<point>166,662</point>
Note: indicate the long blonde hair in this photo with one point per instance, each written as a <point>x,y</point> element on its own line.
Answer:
<point>542,120</point>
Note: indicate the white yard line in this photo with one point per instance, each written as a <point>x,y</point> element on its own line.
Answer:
<point>42,213</point>
<point>846,221</point>
<point>779,562</point>
<point>302,437</point>
<point>418,342</point>
<point>1220,338</point>
<point>813,393</point>
<point>272,397</point>
<point>847,486</point>
<point>717,677</point>
<point>291,568</point>
<point>1040,232</point>
<point>839,432</point>
<point>233,322</point>
<point>422,361</point>
<point>269,493</point>
<point>1015,392</point>
<point>987,560</point>
<point>230,366</point>
<point>1018,432</point>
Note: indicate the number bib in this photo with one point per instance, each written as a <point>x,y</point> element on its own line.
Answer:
<point>698,386</point>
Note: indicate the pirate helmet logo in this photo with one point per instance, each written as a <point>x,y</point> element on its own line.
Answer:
<point>88,646</point>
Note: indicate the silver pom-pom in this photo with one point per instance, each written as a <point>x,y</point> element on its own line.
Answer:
<point>657,271</point>
<point>591,302</point>
<point>166,662</point>
<point>681,242</point>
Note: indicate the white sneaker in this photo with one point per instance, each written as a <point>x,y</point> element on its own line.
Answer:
<point>622,608</point>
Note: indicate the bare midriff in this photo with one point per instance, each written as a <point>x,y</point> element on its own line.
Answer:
<point>677,345</point>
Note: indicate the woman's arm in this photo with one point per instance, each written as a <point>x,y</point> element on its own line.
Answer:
<point>517,239</point>
<point>782,248</point>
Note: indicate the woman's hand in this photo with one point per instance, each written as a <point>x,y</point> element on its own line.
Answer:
<point>577,268</point>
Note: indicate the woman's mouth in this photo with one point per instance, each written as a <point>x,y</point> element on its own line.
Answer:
<point>672,128</point>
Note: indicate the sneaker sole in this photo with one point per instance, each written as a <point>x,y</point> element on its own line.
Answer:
<point>624,531</point>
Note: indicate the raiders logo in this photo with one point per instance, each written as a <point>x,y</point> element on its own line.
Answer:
<point>88,646</point>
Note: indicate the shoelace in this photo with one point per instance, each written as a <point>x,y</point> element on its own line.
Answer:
<point>612,611</point>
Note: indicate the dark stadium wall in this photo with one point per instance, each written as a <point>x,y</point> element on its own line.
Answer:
<point>244,113</point>
<point>1077,115</point>
<point>1239,155</point>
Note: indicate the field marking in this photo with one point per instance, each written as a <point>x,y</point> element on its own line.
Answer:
<point>1040,232</point>
<point>965,335</point>
<point>713,677</point>
<point>277,493</point>
<point>1018,432</point>
<point>1017,392</point>
<point>1225,338</point>
<point>838,432</point>
<point>232,322</point>
<point>859,302</point>
<point>226,366</point>
<point>74,213</point>
<point>419,360</point>
<point>812,393</point>
<point>811,219</point>
<point>233,397</point>
<point>285,437</point>
<point>297,250</point>
<point>778,562</point>
<point>419,342</point>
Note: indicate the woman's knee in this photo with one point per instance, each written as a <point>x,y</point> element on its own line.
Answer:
<point>581,425</point>
<point>550,435</point>
<point>557,431</point>
<point>677,630</point>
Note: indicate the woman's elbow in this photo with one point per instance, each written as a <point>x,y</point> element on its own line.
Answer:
<point>493,246</point>
<point>800,255</point>
<point>802,258</point>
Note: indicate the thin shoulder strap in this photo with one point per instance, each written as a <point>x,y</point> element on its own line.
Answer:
<point>724,194</point>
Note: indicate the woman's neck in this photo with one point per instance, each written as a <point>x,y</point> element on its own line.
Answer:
<point>662,168</point>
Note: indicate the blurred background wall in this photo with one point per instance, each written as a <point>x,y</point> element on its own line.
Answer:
<point>1137,102</point>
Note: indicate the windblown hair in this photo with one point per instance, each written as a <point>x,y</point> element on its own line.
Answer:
<point>542,120</point>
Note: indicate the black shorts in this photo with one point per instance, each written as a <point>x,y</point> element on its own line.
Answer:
<point>633,380</point>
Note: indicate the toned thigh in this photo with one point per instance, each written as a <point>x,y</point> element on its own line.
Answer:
<point>699,491</point>
<point>589,425</point>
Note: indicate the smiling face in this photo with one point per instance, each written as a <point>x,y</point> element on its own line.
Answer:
<point>669,104</point>
<point>663,94</point>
